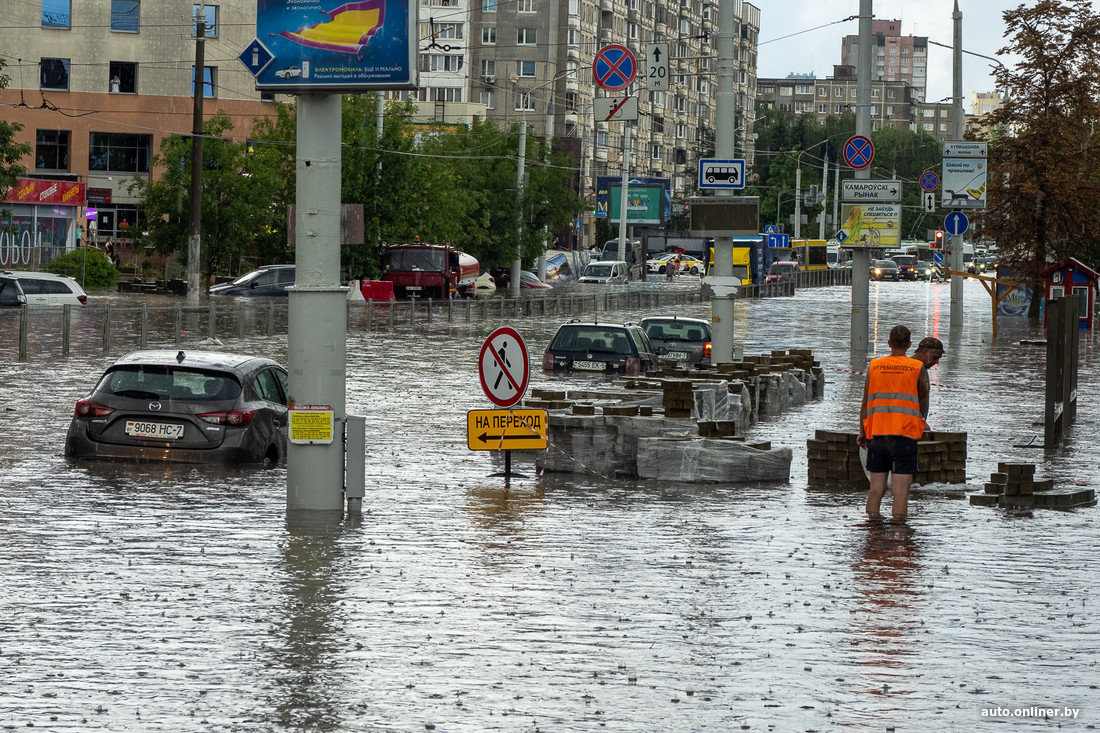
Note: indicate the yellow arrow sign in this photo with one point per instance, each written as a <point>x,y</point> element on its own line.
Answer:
<point>506,429</point>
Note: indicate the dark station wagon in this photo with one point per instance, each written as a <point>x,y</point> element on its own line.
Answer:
<point>679,340</point>
<point>613,348</point>
<point>185,406</point>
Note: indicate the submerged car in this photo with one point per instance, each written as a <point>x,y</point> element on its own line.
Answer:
<point>184,406</point>
<point>609,272</point>
<point>779,270</point>
<point>265,281</point>
<point>18,287</point>
<point>681,340</point>
<point>614,348</point>
<point>907,266</point>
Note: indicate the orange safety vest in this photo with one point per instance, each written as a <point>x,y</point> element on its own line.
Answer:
<point>893,406</point>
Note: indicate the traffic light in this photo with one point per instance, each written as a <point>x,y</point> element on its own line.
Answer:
<point>937,242</point>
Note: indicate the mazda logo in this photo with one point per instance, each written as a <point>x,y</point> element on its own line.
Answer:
<point>154,406</point>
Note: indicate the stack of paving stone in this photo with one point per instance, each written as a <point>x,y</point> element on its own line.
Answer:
<point>833,460</point>
<point>1014,485</point>
<point>678,397</point>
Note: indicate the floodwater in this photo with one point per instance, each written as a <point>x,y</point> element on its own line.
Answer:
<point>164,598</point>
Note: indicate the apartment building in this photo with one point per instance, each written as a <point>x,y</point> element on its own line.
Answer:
<point>97,85</point>
<point>896,57</point>
<point>531,60</point>
<point>892,103</point>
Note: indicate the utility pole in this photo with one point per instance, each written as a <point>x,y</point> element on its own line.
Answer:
<point>517,264</point>
<point>956,243</point>
<point>824,194</point>
<point>194,248</point>
<point>861,257</point>
<point>722,304</point>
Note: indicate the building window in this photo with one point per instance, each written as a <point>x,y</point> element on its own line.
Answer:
<point>822,109</point>
<point>681,104</point>
<point>525,36</point>
<point>489,99</point>
<point>838,109</point>
<point>658,124</point>
<point>524,103</point>
<point>526,6</point>
<point>655,152</point>
<point>890,110</point>
<point>55,13</point>
<point>874,94</point>
<point>601,138</point>
<point>211,20</point>
<point>874,109</point>
<point>119,152</point>
<point>929,126</point>
<point>681,130</point>
<point>632,31</point>
<point>488,68</point>
<point>450,31</point>
<point>822,91</point>
<point>439,62</point>
<point>525,68</point>
<point>571,102</point>
<point>891,93</point>
<point>489,34</point>
<point>54,74</point>
<point>838,93</point>
<point>51,150</point>
<point>123,77</point>
<point>488,6</point>
<point>447,94</point>
<point>209,77</point>
<point>124,15</point>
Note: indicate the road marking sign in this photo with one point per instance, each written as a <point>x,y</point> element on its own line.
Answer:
<point>656,67</point>
<point>879,192</point>
<point>504,367</point>
<point>506,429</point>
<point>615,109</point>
<point>929,202</point>
<point>715,173</point>
<point>956,223</point>
<point>614,67</point>
<point>929,181</point>
<point>859,151</point>
<point>938,258</point>
<point>781,241</point>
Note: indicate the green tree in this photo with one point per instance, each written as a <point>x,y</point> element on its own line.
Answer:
<point>239,195</point>
<point>89,267</point>
<point>1044,180</point>
<point>11,152</point>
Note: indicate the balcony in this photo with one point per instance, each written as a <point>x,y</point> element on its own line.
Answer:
<point>607,6</point>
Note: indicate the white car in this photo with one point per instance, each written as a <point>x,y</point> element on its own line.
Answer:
<point>289,72</point>
<point>18,287</point>
<point>657,264</point>
<point>612,272</point>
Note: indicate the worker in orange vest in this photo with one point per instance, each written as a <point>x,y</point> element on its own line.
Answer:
<point>892,420</point>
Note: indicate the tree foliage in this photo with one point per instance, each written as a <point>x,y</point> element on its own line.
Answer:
<point>1044,179</point>
<point>88,266</point>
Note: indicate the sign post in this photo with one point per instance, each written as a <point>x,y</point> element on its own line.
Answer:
<point>504,369</point>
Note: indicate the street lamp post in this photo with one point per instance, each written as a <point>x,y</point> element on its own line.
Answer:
<point>798,188</point>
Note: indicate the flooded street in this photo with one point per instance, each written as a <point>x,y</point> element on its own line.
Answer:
<point>179,598</point>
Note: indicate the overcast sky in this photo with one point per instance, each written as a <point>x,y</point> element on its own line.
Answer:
<point>816,47</point>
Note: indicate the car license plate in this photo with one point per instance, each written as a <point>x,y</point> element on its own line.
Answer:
<point>413,287</point>
<point>158,430</point>
<point>677,355</point>
<point>590,366</point>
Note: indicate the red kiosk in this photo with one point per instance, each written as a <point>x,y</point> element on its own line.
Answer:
<point>1072,277</point>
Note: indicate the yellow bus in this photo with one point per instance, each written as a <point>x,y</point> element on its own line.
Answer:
<point>742,262</point>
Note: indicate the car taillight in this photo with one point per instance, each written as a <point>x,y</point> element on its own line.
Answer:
<point>87,408</point>
<point>83,299</point>
<point>548,361</point>
<point>236,418</point>
<point>706,350</point>
<point>633,366</point>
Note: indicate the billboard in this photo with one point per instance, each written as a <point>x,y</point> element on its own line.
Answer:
<point>332,47</point>
<point>644,204</point>
<point>603,196</point>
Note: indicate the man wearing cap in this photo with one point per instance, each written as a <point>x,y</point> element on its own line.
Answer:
<point>929,351</point>
<point>895,404</point>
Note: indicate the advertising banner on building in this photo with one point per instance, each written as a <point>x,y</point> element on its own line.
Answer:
<point>45,192</point>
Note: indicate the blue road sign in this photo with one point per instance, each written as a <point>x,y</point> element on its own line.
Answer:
<point>956,223</point>
<point>255,57</point>
<point>938,258</point>
<point>841,236</point>
<point>770,229</point>
<point>929,181</point>
<point>715,173</point>
<point>779,240</point>
<point>614,67</point>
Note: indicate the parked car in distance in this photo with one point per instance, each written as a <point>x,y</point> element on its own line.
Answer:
<point>609,272</point>
<point>778,270</point>
<point>612,348</point>
<point>265,281</point>
<point>926,271</point>
<point>690,265</point>
<point>884,270</point>
<point>906,266</point>
<point>679,340</point>
<point>656,264</point>
<point>18,287</point>
<point>185,406</point>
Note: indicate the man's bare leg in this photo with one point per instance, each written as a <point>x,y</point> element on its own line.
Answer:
<point>901,484</point>
<point>876,492</point>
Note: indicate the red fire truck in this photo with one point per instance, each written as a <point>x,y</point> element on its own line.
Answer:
<point>437,271</point>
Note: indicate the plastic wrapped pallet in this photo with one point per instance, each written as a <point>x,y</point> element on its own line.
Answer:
<point>796,387</point>
<point>709,460</point>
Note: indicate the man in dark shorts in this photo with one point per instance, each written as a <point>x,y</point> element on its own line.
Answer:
<point>895,404</point>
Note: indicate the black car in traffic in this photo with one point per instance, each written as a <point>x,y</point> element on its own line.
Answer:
<point>614,348</point>
<point>184,406</point>
<point>265,281</point>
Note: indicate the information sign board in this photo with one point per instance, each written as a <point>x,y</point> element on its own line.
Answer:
<point>854,191</point>
<point>506,429</point>
<point>871,225</point>
<point>310,424</point>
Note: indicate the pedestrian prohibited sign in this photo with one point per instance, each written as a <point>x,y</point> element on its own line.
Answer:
<point>504,367</point>
<point>614,67</point>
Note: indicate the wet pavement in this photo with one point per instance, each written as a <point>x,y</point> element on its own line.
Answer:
<point>164,598</point>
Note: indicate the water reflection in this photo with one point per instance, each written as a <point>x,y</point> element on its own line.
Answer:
<point>887,615</point>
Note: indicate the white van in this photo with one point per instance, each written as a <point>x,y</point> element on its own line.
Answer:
<point>605,272</point>
<point>18,287</point>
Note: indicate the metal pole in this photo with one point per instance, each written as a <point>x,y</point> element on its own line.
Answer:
<point>194,249</point>
<point>517,264</point>
<point>956,241</point>
<point>722,303</point>
<point>624,180</point>
<point>798,199</point>
<point>861,259</point>
<point>824,194</point>
<point>317,329</point>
